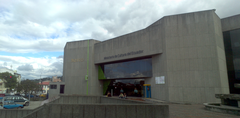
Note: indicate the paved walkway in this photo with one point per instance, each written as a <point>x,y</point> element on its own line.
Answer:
<point>190,110</point>
<point>195,111</point>
<point>33,105</point>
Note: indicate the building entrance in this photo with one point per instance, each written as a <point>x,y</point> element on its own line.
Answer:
<point>132,87</point>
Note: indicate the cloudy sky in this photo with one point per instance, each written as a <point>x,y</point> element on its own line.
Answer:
<point>33,33</point>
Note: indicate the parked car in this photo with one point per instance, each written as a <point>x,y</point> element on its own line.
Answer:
<point>12,105</point>
<point>17,99</point>
<point>22,94</point>
<point>43,95</point>
<point>1,100</point>
<point>18,95</point>
<point>38,94</point>
<point>31,96</point>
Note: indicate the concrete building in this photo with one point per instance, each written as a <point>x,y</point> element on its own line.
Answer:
<point>181,56</point>
<point>45,86</point>
<point>56,88</point>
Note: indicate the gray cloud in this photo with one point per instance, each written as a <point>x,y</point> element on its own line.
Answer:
<point>38,26</point>
<point>59,57</point>
<point>58,67</point>
<point>7,60</point>
<point>59,20</point>
<point>5,64</point>
<point>25,67</point>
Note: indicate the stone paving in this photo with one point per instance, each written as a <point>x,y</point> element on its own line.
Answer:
<point>195,111</point>
<point>190,110</point>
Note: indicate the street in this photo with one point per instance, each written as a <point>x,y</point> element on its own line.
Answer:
<point>33,105</point>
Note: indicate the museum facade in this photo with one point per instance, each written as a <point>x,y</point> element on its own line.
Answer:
<point>182,57</point>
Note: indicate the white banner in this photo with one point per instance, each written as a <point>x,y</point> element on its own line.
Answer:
<point>160,80</point>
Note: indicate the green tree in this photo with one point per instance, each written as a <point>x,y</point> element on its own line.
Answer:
<point>28,86</point>
<point>9,80</point>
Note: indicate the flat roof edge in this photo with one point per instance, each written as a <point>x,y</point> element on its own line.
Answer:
<point>230,16</point>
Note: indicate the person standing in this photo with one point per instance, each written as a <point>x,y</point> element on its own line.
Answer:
<point>135,92</point>
<point>109,94</point>
<point>121,91</point>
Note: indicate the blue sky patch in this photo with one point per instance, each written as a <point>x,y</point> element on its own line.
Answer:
<point>36,55</point>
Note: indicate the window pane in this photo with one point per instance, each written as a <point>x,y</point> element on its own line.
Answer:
<point>129,69</point>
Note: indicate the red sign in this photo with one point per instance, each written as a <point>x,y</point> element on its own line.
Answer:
<point>2,95</point>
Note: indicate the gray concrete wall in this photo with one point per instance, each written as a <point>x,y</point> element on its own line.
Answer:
<point>68,106</point>
<point>187,49</point>
<point>78,99</point>
<point>41,112</point>
<point>75,69</point>
<point>55,92</point>
<point>196,66</point>
<point>13,113</point>
<point>82,99</point>
<point>230,23</point>
<point>139,40</point>
<point>102,111</point>
<point>110,100</point>
<point>159,62</point>
<point>222,86</point>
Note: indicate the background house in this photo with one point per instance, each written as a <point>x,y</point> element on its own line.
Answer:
<point>13,72</point>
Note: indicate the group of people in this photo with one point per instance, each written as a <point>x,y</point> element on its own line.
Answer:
<point>122,94</point>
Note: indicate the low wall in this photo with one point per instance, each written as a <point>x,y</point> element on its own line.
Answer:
<point>13,113</point>
<point>111,100</point>
<point>83,99</point>
<point>98,107</point>
<point>42,112</point>
<point>102,111</point>
<point>77,99</point>
<point>17,113</point>
<point>217,107</point>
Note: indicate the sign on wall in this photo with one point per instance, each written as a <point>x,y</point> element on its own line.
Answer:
<point>124,54</point>
<point>77,60</point>
<point>160,80</point>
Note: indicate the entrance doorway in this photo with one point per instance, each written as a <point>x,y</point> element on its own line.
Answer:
<point>128,86</point>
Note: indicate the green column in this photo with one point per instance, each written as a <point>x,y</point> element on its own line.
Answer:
<point>87,65</point>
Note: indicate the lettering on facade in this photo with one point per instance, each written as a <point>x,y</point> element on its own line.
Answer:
<point>124,54</point>
<point>77,60</point>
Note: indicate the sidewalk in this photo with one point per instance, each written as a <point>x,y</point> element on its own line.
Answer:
<point>195,111</point>
<point>179,110</point>
<point>33,105</point>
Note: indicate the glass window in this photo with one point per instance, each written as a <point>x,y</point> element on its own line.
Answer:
<point>129,69</point>
<point>232,52</point>
<point>9,98</point>
<point>53,86</point>
<point>62,88</point>
<point>11,102</point>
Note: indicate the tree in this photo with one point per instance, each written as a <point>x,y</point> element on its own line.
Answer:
<point>28,86</point>
<point>9,80</point>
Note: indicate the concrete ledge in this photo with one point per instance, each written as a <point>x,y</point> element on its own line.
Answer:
<point>93,99</point>
<point>103,111</point>
<point>13,113</point>
<point>98,107</point>
<point>217,107</point>
<point>121,101</point>
<point>228,96</point>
